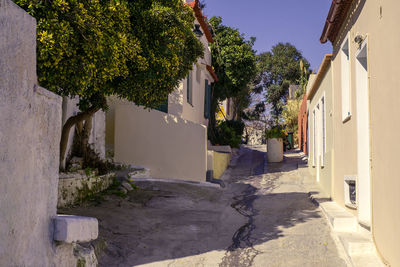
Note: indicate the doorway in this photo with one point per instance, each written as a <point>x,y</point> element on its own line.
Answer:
<point>363,137</point>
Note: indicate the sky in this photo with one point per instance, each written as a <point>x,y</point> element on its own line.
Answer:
<point>299,22</point>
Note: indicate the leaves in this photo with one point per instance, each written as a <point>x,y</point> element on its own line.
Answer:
<point>277,70</point>
<point>234,60</point>
<point>136,49</point>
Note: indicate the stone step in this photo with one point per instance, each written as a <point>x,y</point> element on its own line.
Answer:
<point>138,172</point>
<point>357,244</point>
<point>340,219</point>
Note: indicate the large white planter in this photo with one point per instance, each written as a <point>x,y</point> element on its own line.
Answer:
<point>275,150</point>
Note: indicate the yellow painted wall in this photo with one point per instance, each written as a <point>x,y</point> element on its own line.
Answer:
<point>221,162</point>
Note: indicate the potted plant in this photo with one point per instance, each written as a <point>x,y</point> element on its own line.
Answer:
<point>275,136</point>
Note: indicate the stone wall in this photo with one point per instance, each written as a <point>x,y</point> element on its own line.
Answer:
<point>75,187</point>
<point>30,119</point>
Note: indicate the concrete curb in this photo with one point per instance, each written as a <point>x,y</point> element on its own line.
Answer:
<point>356,245</point>
<point>175,181</point>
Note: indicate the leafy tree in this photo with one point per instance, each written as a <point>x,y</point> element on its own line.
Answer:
<point>138,50</point>
<point>234,62</point>
<point>277,70</point>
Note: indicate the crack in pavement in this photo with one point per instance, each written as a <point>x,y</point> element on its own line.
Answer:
<point>242,252</point>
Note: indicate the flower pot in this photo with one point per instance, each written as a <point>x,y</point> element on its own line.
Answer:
<point>275,149</point>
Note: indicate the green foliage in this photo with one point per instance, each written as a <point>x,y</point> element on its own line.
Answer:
<point>234,60</point>
<point>277,70</point>
<point>275,132</point>
<point>167,45</point>
<point>229,133</point>
<point>290,115</point>
<point>88,171</point>
<point>138,50</point>
<point>82,45</point>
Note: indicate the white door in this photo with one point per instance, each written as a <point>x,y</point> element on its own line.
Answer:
<point>363,137</point>
<point>318,140</point>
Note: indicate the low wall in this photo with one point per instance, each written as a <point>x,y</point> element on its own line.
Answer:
<point>169,146</point>
<point>221,162</point>
<point>75,187</point>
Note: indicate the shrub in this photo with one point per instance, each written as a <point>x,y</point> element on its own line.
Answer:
<point>275,132</point>
<point>229,133</point>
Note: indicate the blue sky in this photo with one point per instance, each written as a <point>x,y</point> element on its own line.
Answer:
<point>299,22</point>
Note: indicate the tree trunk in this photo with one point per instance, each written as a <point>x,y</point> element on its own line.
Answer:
<point>85,137</point>
<point>79,118</point>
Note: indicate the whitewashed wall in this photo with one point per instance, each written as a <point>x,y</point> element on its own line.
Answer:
<point>30,119</point>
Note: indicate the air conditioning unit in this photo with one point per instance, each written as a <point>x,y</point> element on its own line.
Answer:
<point>350,191</point>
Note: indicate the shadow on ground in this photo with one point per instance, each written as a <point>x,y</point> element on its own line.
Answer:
<point>162,221</point>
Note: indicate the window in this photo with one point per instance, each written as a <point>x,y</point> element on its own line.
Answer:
<point>189,89</point>
<point>323,130</point>
<point>164,106</point>
<point>207,99</point>
<point>345,64</point>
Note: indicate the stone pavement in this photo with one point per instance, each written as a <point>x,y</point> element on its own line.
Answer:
<point>264,217</point>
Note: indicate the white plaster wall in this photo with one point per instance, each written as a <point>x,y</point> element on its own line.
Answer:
<point>170,146</point>
<point>30,119</point>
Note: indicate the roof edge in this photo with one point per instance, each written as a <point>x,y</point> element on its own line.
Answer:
<point>201,19</point>
<point>335,19</point>
<point>321,73</point>
<point>212,73</point>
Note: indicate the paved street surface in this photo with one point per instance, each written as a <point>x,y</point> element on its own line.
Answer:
<point>263,217</point>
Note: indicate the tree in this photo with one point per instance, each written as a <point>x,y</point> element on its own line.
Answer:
<point>235,65</point>
<point>138,50</point>
<point>277,70</point>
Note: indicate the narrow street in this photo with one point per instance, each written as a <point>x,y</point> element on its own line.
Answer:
<point>263,217</point>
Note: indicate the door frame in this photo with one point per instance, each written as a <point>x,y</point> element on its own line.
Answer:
<point>364,192</point>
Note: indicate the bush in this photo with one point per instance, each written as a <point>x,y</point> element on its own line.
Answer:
<point>229,133</point>
<point>275,132</point>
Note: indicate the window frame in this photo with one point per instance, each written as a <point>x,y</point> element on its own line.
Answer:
<point>345,79</point>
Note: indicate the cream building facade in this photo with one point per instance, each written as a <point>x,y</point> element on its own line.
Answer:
<point>365,121</point>
<point>171,141</point>
<point>320,123</point>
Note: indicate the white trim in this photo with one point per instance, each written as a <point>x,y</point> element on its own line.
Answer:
<point>346,79</point>
<point>363,135</point>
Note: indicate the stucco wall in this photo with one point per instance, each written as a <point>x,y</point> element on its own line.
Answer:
<point>195,112</point>
<point>30,119</point>
<point>323,172</point>
<point>170,146</point>
<point>345,137</point>
<point>379,20</point>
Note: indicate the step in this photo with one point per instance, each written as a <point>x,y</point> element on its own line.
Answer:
<point>357,244</point>
<point>138,172</point>
<point>340,219</point>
